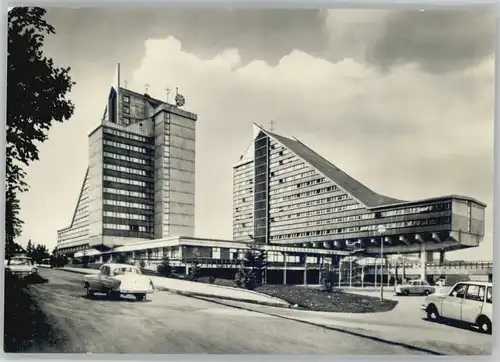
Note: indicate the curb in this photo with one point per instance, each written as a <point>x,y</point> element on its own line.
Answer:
<point>283,304</point>
<point>204,295</point>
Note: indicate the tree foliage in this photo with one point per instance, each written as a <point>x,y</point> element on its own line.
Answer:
<point>255,259</point>
<point>253,265</point>
<point>327,279</point>
<point>164,267</point>
<point>36,97</point>
<point>194,265</point>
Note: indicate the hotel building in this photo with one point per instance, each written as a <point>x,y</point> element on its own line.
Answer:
<point>287,194</point>
<point>140,180</point>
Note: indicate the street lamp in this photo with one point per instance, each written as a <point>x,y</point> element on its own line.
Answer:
<point>381,230</point>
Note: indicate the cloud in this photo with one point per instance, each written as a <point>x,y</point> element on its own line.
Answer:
<point>439,41</point>
<point>407,134</point>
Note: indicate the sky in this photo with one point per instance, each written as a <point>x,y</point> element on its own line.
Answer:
<point>400,100</point>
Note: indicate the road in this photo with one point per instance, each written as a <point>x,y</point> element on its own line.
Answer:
<point>169,323</point>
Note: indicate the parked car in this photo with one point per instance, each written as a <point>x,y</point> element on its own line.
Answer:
<point>21,266</point>
<point>118,279</point>
<point>467,302</point>
<point>420,287</point>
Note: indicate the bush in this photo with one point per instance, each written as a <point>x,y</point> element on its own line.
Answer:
<point>327,280</point>
<point>164,267</point>
<point>211,279</point>
<point>194,272</point>
<point>142,264</point>
<point>245,279</point>
<point>85,261</point>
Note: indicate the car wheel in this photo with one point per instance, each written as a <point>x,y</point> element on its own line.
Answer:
<point>89,292</point>
<point>432,313</point>
<point>484,325</point>
<point>140,296</point>
<point>426,292</point>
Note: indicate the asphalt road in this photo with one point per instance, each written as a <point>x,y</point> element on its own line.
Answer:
<point>169,323</point>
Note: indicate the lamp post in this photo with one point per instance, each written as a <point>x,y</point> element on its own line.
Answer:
<point>381,230</point>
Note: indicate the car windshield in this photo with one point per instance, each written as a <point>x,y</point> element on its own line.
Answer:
<point>20,261</point>
<point>126,270</point>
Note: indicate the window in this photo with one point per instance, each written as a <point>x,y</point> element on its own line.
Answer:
<point>126,99</point>
<point>126,120</point>
<point>489,295</point>
<point>134,228</point>
<point>475,292</point>
<point>126,110</point>
<point>105,271</point>
<point>458,291</point>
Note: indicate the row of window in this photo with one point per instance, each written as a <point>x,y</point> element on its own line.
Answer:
<point>243,208</point>
<point>127,181</point>
<point>314,202</point>
<point>327,210</point>
<point>143,195</point>
<point>133,205</point>
<point>243,176</point>
<point>125,134</point>
<point>131,228</point>
<point>417,210</point>
<point>310,193</point>
<point>289,169</point>
<point>298,176</point>
<point>397,225</point>
<point>352,229</point>
<point>245,191</point>
<point>122,215</point>
<point>127,170</point>
<point>125,158</point>
<point>125,146</point>
<point>63,233</point>
<point>281,162</point>
<point>279,190</point>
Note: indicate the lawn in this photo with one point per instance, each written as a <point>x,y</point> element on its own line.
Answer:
<point>334,301</point>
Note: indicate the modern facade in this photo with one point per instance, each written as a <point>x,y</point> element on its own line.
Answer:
<point>140,180</point>
<point>287,194</point>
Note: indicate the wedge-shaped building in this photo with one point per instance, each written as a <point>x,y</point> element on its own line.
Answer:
<point>287,194</point>
<point>139,184</point>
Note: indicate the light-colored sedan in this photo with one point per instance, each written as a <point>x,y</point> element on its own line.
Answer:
<point>119,279</point>
<point>467,302</point>
<point>21,266</point>
<point>419,287</point>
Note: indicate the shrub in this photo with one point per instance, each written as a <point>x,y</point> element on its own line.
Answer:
<point>164,267</point>
<point>85,261</point>
<point>194,271</point>
<point>245,278</point>
<point>142,264</point>
<point>327,280</point>
<point>211,279</point>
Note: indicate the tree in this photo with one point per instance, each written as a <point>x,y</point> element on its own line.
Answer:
<point>36,96</point>
<point>194,265</point>
<point>255,259</point>
<point>164,267</point>
<point>30,248</point>
<point>327,279</point>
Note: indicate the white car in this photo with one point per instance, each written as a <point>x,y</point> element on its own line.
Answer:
<point>420,287</point>
<point>467,302</point>
<point>118,279</point>
<point>21,266</point>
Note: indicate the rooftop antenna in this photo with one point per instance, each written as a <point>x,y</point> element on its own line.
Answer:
<point>126,84</point>
<point>147,87</point>
<point>168,93</point>
<point>271,125</point>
